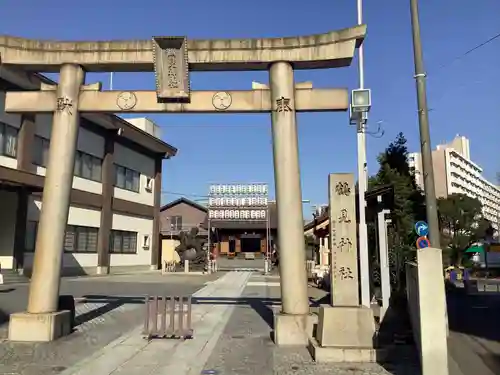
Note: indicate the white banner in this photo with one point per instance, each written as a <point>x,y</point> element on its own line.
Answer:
<point>237,214</point>
<point>238,202</point>
<point>239,189</point>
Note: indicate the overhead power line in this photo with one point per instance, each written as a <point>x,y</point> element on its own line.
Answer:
<point>469,51</point>
<point>166,192</point>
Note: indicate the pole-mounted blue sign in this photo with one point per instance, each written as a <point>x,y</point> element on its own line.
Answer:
<point>422,228</point>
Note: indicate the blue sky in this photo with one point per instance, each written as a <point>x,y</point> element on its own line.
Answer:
<point>226,148</point>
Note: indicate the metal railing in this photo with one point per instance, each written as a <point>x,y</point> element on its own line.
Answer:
<point>168,317</point>
<point>170,266</point>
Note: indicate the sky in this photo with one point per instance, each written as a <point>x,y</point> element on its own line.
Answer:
<point>228,148</point>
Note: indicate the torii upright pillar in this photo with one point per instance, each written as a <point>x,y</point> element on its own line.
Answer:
<point>291,324</point>
<point>42,321</point>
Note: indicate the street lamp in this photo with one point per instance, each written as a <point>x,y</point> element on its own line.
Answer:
<point>361,100</point>
<point>360,105</point>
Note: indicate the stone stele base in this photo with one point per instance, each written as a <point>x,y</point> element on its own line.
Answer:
<point>293,330</point>
<point>39,327</point>
<point>344,334</point>
<point>102,270</point>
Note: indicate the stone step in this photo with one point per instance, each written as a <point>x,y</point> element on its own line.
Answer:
<point>12,277</point>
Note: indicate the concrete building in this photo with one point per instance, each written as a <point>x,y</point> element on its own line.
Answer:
<point>242,238</point>
<point>115,195</point>
<point>230,238</point>
<point>182,215</point>
<point>455,172</point>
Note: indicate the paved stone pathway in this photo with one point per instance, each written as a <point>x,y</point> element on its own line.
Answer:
<point>231,320</point>
<point>101,323</point>
<point>131,354</point>
<point>246,348</point>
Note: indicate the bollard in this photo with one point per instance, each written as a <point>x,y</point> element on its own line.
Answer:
<point>186,266</point>
<point>266,266</point>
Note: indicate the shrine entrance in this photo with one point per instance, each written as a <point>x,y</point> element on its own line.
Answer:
<point>172,59</point>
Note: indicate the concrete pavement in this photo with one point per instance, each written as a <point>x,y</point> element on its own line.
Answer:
<point>112,306</point>
<point>245,347</point>
<point>232,319</point>
<point>474,340</point>
<point>232,324</point>
<point>131,354</point>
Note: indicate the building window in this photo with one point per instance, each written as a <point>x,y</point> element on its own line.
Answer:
<point>30,240</point>
<point>126,178</point>
<point>8,140</point>
<point>41,151</point>
<point>80,239</point>
<point>176,222</point>
<point>88,166</point>
<point>123,242</point>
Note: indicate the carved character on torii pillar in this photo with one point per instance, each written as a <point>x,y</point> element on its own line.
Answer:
<point>172,58</point>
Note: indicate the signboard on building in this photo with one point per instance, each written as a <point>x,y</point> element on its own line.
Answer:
<point>238,202</point>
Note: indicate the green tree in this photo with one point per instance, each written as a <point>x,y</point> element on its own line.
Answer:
<point>408,204</point>
<point>461,223</point>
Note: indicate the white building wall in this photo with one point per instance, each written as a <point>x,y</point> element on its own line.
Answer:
<point>77,216</point>
<point>463,176</point>
<point>143,227</point>
<point>88,142</point>
<point>92,144</point>
<point>415,161</point>
<point>466,177</point>
<point>146,125</point>
<point>144,165</point>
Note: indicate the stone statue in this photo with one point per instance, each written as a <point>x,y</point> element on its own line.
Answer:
<point>191,247</point>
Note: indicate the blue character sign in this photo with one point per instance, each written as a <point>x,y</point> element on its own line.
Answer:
<point>423,242</point>
<point>422,228</point>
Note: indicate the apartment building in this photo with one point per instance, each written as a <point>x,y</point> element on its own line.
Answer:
<point>115,202</point>
<point>455,172</point>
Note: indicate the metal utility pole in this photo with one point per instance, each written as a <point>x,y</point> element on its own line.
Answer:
<point>425,138</point>
<point>362,182</point>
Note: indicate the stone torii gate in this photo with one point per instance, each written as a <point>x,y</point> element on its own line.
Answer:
<point>172,59</point>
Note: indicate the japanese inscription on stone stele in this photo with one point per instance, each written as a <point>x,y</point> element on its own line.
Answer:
<point>64,104</point>
<point>173,80</point>
<point>343,244</point>
<point>283,105</point>
<point>170,57</point>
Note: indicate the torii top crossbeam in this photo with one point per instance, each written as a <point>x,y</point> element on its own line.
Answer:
<point>329,50</point>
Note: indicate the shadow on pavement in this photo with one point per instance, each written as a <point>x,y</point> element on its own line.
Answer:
<point>474,341</point>
<point>263,306</point>
<point>394,335</point>
<point>475,314</point>
<point>4,317</point>
<point>110,303</point>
